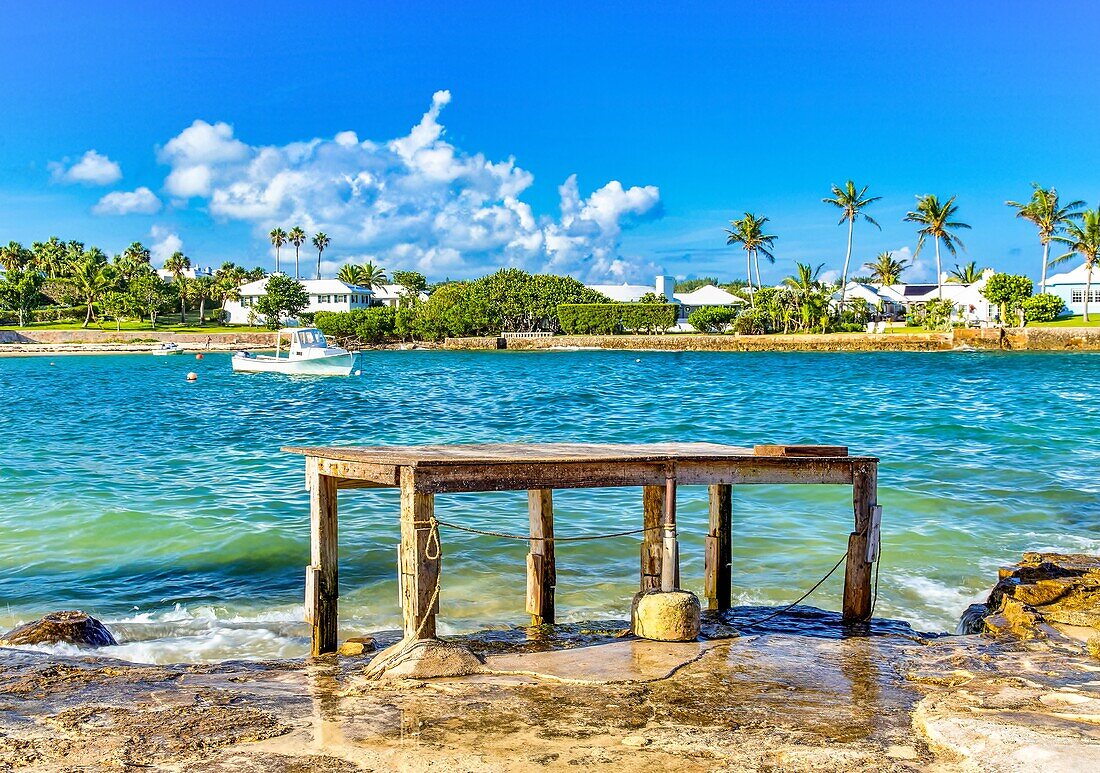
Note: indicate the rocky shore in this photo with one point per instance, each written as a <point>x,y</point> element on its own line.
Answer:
<point>796,696</point>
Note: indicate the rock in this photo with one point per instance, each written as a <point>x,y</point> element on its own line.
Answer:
<point>425,659</point>
<point>1044,594</point>
<point>635,741</point>
<point>356,645</point>
<point>666,615</point>
<point>70,627</point>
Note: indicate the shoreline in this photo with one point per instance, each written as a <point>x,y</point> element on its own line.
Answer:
<point>50,342</point>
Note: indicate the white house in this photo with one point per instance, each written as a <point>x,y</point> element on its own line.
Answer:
<point>665,286</point>
<point>896,300</point>
<point>1070,287</point>
<point>324,295</point>
<point>391,295</point>
<point>188,273</point>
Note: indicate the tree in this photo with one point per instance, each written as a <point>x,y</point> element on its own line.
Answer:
<point>178,263</point>
<point>1083,239</point>
<point>749,233</point>
<point>806,288</point>
<point>1049,217</point>
<point>1007,291</point>
<point>283,297</point>
<point>91,277</point>
<point>49,256</point>
<point>321,242</point>
<point>349,273</point>
<point>14,256</point>
<point>203,289</point>
<point>967,275</point>
<point>278,238</point>
<point>371,276</point>
<point>148,295</point>
<point>116,305</point>
<point>937,223</point>
<point>413,281</point>
<point>21,291</point>
<point>852,203</point>
<point>885,269</point>
<point>688,285</point>
<point>297,237</point>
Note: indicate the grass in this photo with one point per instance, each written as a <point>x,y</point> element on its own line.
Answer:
<point>168,324</point>
<point>1074,321</point>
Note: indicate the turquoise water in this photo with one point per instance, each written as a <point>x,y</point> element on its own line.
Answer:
<point>167,509</point>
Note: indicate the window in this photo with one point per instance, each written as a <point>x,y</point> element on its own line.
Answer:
<point>341,299</point>
<point>245,301</point>
<point>1077,296</point>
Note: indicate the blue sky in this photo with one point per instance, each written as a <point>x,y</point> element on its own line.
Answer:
<point>673,120</point>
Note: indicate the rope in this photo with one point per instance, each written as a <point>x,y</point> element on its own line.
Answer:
<point>800,599</point>
<point>529,537</point>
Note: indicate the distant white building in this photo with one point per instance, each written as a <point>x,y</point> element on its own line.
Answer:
<point>665,286</point>
<point>324,295</point>
<point>391,295</point>
<point>894,301</point>
<point>1070,287</point>
<point>188,273</point>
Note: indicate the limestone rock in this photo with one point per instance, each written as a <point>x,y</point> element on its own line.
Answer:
<point>425,659</point>
<point>666,615</point>
<point>1044,594</point>
<point>356,645</point>
<point>69,627</point>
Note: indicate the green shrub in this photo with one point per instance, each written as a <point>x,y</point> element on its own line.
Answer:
<point>610,318</point>
<point>712,319</point>
<point>359,326</point>
<point>1043,308</point>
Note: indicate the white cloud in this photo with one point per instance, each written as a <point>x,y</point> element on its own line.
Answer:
<point>919,270</point>
<point>141,201</point>
<point>165,242</point>
<point>93,168</point>
<point>416,201</point>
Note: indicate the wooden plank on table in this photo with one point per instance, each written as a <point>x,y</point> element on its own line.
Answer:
<point>799,450</point>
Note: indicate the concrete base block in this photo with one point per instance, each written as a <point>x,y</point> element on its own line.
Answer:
<point>425,659</point>
<point>665,615</point>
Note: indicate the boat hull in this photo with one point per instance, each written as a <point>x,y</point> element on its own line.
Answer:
<point>333,365</point>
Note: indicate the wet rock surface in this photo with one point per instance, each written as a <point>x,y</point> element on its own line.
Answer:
<point>69,627</point>
<point>1045,594</point>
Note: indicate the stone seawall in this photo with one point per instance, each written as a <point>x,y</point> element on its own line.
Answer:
<point>97,336</point>
<point>1032,339</point>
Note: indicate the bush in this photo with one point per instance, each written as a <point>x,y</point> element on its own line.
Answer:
<point>1043,308</point>
<point>1008,291</point>
<point>610,318</point>
<point>359,326</point>
<point>712,319</point>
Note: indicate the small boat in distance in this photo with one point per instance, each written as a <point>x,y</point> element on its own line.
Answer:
<point>309,355</point>
<point>168,348</point>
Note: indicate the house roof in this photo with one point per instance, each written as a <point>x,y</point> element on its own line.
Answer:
<point>708,295</point>
<point>1075,276</point>
<point>313,287</point>
<point>391,292</point>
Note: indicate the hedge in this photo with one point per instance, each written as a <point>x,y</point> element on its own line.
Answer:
<point>362,326</point>
<point>712,319</point>
<point>610,318</point>
<point>1043,308</point>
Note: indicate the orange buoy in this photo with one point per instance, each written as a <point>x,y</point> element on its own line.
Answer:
<point>192,376</point>
<point>198,356</point>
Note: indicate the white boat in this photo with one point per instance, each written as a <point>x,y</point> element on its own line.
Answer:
<point>168,348</point>
<point>309,355</point>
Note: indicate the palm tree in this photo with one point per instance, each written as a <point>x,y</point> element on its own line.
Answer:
<point>14,256</point>
<point>1043,210</point>
<point>885,270</point>
<point>297,237</point>
<point>132,260</point>
<point>749,233</point>
<point>320,241</point>
<point>852,204</point>
<point>371,276</point>
<point>937,222</point>
<point>203,288</point>
<point>803,286</point>
<point>90,277</point>
<point>1082,239</point>
<point>350,274</point>
<point>967,275</point>
<point>178,263</point>
<point>278,238</point>
<point>49,256</point>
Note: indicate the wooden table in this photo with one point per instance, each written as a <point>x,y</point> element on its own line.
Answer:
<point>421,472</point>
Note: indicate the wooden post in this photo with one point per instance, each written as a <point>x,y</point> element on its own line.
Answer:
<point>653,504</point>
<point>670,550</point>
<point>857,570</point>
<point>419,559</point>
<point>322,582</point>
<point>718,574</point>
<point>541,567</point>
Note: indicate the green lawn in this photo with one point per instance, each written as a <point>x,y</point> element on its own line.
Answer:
<point>1075,321</point>
<point>169,325</point>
